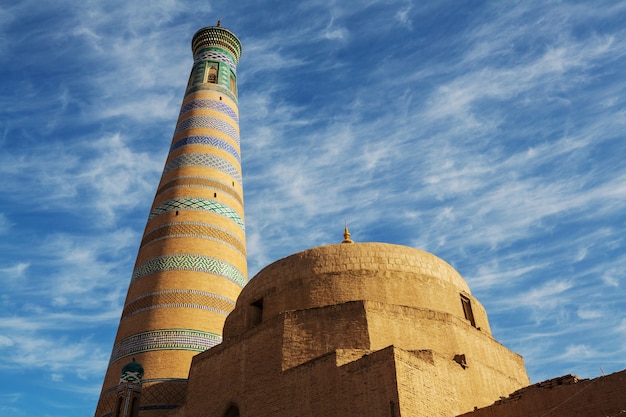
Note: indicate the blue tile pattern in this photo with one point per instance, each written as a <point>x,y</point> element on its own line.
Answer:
<point>189,262</point>
<point>203,160</point>
<point>196,203</point>
<point>179,298</point>
<point>167,339</point>
<point>210,105</point>
<point>209,141</point>
<point>208,122</point>
<point>196,230</point>
<point>216,56</point>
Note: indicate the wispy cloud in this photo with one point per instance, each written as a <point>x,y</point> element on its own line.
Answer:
<point>489,134</point>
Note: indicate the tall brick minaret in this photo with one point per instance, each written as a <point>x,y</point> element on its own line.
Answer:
<point>191,264</point>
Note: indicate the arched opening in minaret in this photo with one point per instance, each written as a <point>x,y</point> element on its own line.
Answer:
<point>134,407</point>
<point>118,407</point>
<point>212,74</point>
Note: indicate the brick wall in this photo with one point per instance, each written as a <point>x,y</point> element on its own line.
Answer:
<point>566,396</point>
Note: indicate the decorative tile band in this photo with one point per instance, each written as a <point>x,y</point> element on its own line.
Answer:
<point>208,122</point>
<point>196,203</point>
<point>209,104</point>
<point>189,262</point>
<point>194,230</point>
<point>167,339</point>
<point>200,182</point>
<point>179,298</point>
<point>203,160</point>
<point>177,305</point>
<point>156,390</point>
<point>209,141</point>
<point>216,56</point>
<point>213,37</point>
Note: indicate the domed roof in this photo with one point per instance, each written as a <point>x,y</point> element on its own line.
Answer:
<point>133,366</point>
<point>381,259</point>
<point>132,372</point>
<point>335,274</point>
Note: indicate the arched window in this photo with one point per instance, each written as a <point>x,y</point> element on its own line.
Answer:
<point>212,75</point>
<point>118,407</point>
<point>134,407</point>
<point>232,411</point>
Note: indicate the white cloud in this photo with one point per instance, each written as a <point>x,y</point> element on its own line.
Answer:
<point>15,271</point>
<point>56,356</point>
<point>575,353</point>
<point>5,342</point>
<point>587,314</point>
<point>403,16</point>
<point>546,294</point>
<point>498,147</point>
<point>332,32</point>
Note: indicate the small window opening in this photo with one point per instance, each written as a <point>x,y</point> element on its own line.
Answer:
<point>233,85</point>
<point>232,411</point>
<point>177,212</point>
<point>233,183</point>
<point>461,360</point>
<point>220,98</point>
<point>212,75</point>
<point>214,195</point>
<point>467,310</point>
<point>256,312</point>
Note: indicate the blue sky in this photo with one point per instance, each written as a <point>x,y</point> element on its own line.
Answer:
<point>490,133</point>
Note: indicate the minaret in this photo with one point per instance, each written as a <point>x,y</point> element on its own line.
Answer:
<point>191,263</point>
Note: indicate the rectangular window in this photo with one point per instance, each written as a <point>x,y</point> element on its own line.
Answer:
<point>256,312</point>
<point>212,71</point>
<point>233,85</point>
<point>467,309</point>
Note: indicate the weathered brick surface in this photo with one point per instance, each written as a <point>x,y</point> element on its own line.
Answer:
<point>250,376</point>
<point>335,274</point>
<point>566,396</point>
<point>353,330</point>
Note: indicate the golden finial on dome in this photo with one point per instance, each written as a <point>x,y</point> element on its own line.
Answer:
<point>346,235</point>
<point>219,23</point>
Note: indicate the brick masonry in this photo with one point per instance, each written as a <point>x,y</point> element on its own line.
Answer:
<point>191,264</point>
<point>365,329</point>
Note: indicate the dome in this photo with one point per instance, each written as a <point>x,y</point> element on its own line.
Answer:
<point>340,273</point>
<point>132,372</point>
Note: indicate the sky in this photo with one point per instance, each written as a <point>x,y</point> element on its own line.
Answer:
<point>490,133</point>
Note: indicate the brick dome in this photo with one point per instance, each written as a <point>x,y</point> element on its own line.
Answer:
<point>335,274</point>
